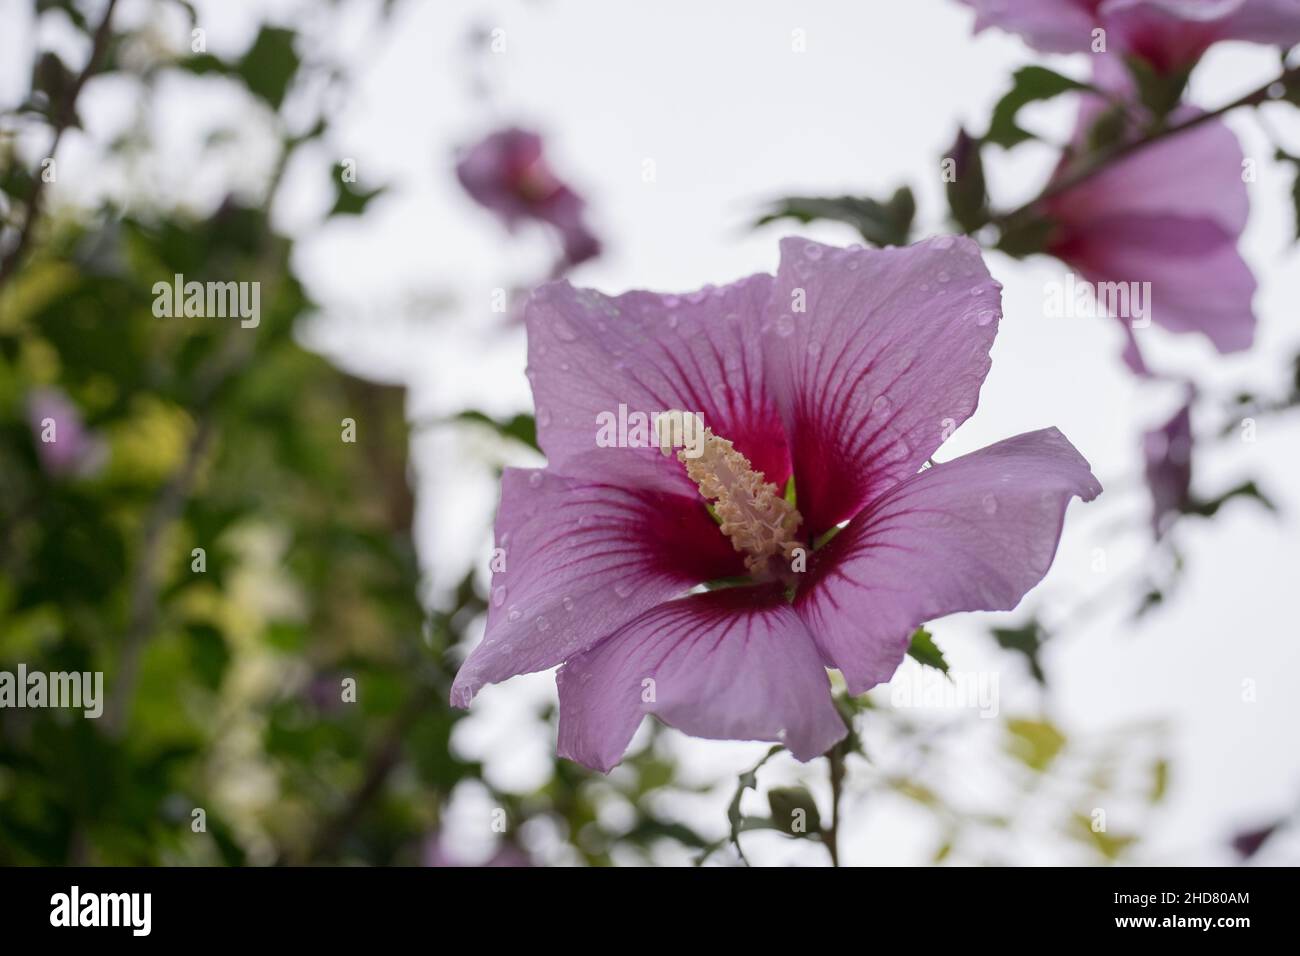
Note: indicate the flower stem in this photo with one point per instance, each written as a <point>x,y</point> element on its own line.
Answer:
<point>835,756</point>
<point>1108,157</point>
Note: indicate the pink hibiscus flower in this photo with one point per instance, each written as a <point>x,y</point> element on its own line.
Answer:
<point>845,371</point>
<point>1170,214</point>
<point>507,173</point>
<point>1169,35</point>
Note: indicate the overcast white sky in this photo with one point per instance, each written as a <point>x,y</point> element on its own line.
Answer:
<point>730,116</point>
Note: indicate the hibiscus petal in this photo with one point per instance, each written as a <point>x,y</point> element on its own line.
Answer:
<point>1170,215</point>
<point>1195,175</point>
<point>590,353</point>
<point>886,359</point>
<point>1170,35</point>
<point>1199,282</point>
<point>1052,26</point>
<point>735,664</point>
<point>581,560</point>
<point>972,534</point>
<point>1274,22</point>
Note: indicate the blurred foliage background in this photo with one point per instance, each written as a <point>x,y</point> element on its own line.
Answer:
<point>245,575</point>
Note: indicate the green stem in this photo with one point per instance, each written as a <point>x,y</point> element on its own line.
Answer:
<point>1109,157</point>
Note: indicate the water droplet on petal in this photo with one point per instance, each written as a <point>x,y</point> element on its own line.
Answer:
<point>543,419</point>
<point>814,349</point>
<point>622,589</point>
<point>535,479</point>
<point>985,316</point>
<point>812,251</point>
<point>565,332</point>
<point>514,614</point>
<point>672,320</point>
<point>943,242</point>
<point>567,602</point>
<point>542,624</point>
<point>943,277</point>
<point>990,505</point>
<point>498,595</point>
<point>785,326</point>
<point>672,301</point>
<point>882,405</point>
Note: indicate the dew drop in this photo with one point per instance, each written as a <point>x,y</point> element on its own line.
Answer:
<point>567,602</point>
<point>622,589</point>
<point>565,332</point>
<point>814,349</point>
<point>985,316</point>
<point>812,251</point>
<point>943,277</point>
<point>672,320</point>
<point>785,326</point>
<point>881,405</point>
<point>498,595</point>
<point>943,242</point>
<point>542,624</point>
<point>535,479</point>
<point>543,419</point>
<point>990,505</point>
<point>514,614</point>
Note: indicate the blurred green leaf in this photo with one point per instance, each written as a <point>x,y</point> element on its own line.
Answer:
<point>967,193</point>
<point>794,811</point>
<point>1035,742</point>
<point>270,65</point>
<point>521,428</point>
<point>1027,640</point>
<point>1030,84</point>
<point>882,224</point>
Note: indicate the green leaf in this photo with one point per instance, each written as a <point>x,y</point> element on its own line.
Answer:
<point>1283,156</point>
<point>1025,236</point>
<point>794,811</point>
<point>967,193</point>
<point>1108,845</point>
<point>1247,489</point>
<point>1159,780</point>
<point>1158,92</point>
<point>1027,640</point>
<point>882,224</point>
<point>924,649</point>
<point>349,200</point>
<point>522,427</point>
<point>269,66</point>
<point>1035,742</point>
<point>1030,84</point>
<point>1107,129</point>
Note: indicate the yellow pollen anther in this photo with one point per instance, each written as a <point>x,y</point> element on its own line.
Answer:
<point>761,524</point>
